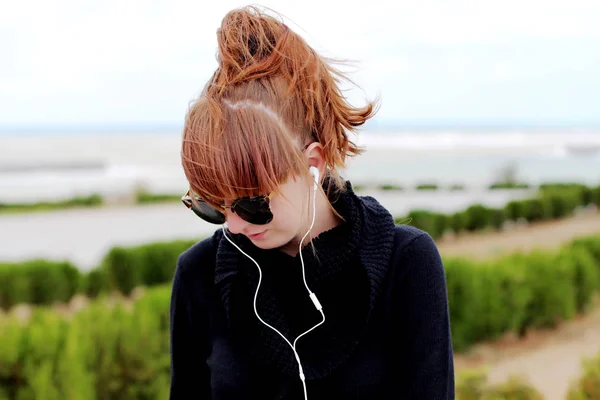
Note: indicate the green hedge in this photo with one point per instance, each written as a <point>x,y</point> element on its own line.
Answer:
<point>427,186</point>
<point>122,269</point>
<point>554,201</point>
<point>521,291</point>
<point>143,197</point>
<point>148,265</point>
<point>37,282</point>
<point>102,352</point>
<point>508,185</point>
<point>587,386</point>
<point>116,352</point>
<point>385,186</point>
<point>474,385</point>
<point>94,200</point>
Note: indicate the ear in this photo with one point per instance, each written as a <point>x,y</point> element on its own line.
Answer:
<point>315,155</point>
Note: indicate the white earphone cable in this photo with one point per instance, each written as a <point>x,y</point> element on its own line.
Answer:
<point>312,296</point>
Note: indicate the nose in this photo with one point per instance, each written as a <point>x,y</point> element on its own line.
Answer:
<point>234,222</point>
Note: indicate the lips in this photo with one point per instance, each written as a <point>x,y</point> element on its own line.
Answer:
<point>256,235</point>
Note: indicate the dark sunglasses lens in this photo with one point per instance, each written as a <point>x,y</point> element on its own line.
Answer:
<point>208,213</point>
<point>255,211</point>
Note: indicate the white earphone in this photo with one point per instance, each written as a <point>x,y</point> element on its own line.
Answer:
<point>315,173</point>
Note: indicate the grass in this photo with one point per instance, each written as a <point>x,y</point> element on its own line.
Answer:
<point>152,198</point>
<point>94,200</point>
<point>509,185</point>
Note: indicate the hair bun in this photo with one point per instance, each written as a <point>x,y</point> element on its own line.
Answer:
<point>250,44</point>
<point>255,45</point>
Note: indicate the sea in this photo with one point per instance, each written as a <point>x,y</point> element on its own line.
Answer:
<point>40,165</point>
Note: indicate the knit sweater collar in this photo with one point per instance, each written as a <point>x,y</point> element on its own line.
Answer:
<point>346,271</point>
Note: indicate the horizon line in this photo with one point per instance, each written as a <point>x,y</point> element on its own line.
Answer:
<point>371,124</point>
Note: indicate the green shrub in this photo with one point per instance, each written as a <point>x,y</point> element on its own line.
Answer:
<point>508,185</point>
<point>596,195</point>
<point>466,292</point>
<point>122,269</point>
<point>506,297</point>
<point>427,186</point>
<point>89,201</point>
<point>536,210</point>
<point>102,352</point>
<point>581,194</point>
<point>37,282</point>
<point>553,289</point>
<point>458,222</point>
<point>591,244</point>
<point>586,273</point>
<point>478,218</point>
<point>95,282</point>
<point>474,385</point>
<point>559,205</point>
<point>94,200</point>
<point>38,350</point>
<point>119,352</point>
<point>514,388</point>
<point>515,210</point>
<point>521,291</point>
<point>14,285</point>
<point>587,386</point>
<point>471,385</point>
<point>143,197</point>
<point>158,260</point>
<point>560,186</point>
<point>433,223</point>
<point>150,264</point>
<point>486,299</point>
<point>389,186</point>
<point>497,218</point>
<point>553,201</point>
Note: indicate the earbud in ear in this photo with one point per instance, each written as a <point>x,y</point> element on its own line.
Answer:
<point>315,173</point>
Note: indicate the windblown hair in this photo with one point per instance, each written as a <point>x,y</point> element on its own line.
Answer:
<point>270,96</point>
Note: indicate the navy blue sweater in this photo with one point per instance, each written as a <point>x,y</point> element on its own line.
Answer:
<point>383,291</point>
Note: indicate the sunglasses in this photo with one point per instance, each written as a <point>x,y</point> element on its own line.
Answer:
<point>255,210</point>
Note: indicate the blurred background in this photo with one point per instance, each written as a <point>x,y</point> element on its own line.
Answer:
<point>488,138</point>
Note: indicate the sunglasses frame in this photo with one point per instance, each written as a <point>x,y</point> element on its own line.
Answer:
<point>188,201</point>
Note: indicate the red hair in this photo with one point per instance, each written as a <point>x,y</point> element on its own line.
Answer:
<point>270,95</point>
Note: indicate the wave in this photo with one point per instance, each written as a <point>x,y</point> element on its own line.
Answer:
<point>552,144</point>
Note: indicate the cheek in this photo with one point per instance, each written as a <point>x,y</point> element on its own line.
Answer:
<point>287,216</point>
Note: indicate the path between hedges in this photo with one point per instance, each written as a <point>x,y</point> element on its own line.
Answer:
<point>549,359</point>
<point>543,235</point>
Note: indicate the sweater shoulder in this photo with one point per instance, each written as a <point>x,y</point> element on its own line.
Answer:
<point>415,253</point>
<point>197,263</point>
<point>409,237</point>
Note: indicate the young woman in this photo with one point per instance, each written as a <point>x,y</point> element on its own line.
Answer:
<point>306,290</point>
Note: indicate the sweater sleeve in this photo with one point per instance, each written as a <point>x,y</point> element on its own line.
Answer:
<point>190,377</point>
<point>420,308</point>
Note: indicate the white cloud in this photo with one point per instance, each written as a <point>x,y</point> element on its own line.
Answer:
<point>119,61</point>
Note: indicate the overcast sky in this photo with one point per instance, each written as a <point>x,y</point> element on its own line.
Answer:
<point>125,62</point>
